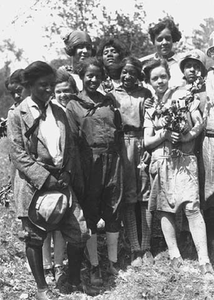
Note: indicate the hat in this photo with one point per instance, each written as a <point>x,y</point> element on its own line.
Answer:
<point>197,55</point>
<point>75,38</point>
<point>47,208</point>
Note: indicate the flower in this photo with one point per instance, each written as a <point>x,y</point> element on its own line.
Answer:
<point>175,113</point>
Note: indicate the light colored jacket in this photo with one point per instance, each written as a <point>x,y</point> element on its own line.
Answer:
<point>31,173</point>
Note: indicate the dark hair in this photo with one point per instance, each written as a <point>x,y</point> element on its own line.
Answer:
<point>154,30</point>
<point>152,64</point>
<point>136,63</point>
<point>112,42</point>
<point>15,77</point>
<point>91,61</point>
<point>64,76</point>
<point>36,70</point>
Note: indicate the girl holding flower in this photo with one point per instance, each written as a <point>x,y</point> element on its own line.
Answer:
<point>170,130</point>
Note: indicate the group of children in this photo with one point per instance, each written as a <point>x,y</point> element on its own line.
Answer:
<point>134,154</point>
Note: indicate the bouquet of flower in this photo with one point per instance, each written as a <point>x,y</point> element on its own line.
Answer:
<point>175,114</point>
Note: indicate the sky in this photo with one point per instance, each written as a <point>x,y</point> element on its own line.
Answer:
<point>28,34</point>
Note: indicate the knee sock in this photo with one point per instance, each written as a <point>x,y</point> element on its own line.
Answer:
<point>75,258</point>
<point>199,236</point>
<point>46,252</point>
<point>130,223</point>
<point>146,224</point>
<point>34,256</point>
<point>168,228</point>
<point>92,250</point>
<point>112,245</point>
<point>59,248</point>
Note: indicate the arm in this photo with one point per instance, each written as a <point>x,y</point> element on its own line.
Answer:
<point>153,139</point>
<point>34,172</point>
<point>196,129</point>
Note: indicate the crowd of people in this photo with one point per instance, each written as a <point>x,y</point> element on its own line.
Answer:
<point>112,138</point>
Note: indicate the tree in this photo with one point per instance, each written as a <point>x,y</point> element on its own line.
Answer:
<point>201,37</point>
<point>91,16</point>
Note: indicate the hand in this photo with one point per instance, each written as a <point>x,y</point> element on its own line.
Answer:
<point>64,179</point>
<point>146,157</point>
<point>51,183</point>
<point>163,121</point>
<point>173,137</point>
<point>148,102</point>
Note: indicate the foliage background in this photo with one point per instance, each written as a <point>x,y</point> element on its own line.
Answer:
<point>94,17</point>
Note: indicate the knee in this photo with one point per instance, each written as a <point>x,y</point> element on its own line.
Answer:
<point>113,226</point>
<point>191,213</point>
<point>31,239</point>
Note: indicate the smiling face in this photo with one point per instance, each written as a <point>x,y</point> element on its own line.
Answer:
<point>110,56</point>
<point>82,52</point>
<point>163,42</point>
<point>63,92</point>
<point>192,69</point>
<point>92,79</point>
<point>159,80</point>
<point>129,77</point>
<point>42,89</point>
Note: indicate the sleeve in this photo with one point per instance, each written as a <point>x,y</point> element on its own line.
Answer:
<point>72,120</point>
<point>35,173</point>
<point>148,122</point>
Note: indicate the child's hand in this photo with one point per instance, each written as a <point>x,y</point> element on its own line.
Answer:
<point>148,102</point>
<point>173,137</point>
<point>163,121</point>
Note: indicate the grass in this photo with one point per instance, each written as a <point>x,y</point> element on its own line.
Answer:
<point>157,282</point>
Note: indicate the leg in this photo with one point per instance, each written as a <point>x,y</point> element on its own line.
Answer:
<point>198,231</point>
<point>59,252</point>
<point>34,256</point>
<point>146,224</point>
<point>47,260</point>
<point>112,245</point>
<point>34,238</point>
<point>59,248</point>
<point>75,258</point>
<point>95,274</point>
<point>168,228</point>
<point>46,252</point>
<point>130,223</point>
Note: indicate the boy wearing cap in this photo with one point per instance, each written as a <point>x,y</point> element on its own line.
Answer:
<point>193,66</point>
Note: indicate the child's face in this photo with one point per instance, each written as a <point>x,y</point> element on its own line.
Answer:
<point>17,92</point>
<point>92,79</point>
<point>163,43</point>
<point>63,92</point>
<point>42,89</point>
<point>159,80</point>
<point>128,77</point>
<point>82,52</point>
<point>192,69</point>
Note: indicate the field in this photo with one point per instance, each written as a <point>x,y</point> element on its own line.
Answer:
<point>157,282</point>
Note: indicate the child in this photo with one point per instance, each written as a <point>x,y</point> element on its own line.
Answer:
<point>14,84</point>
<point>130,100</point>
<point>93,121</point>
<point>64,88</point>
<point>174,164</point>
<point>45,161</point>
